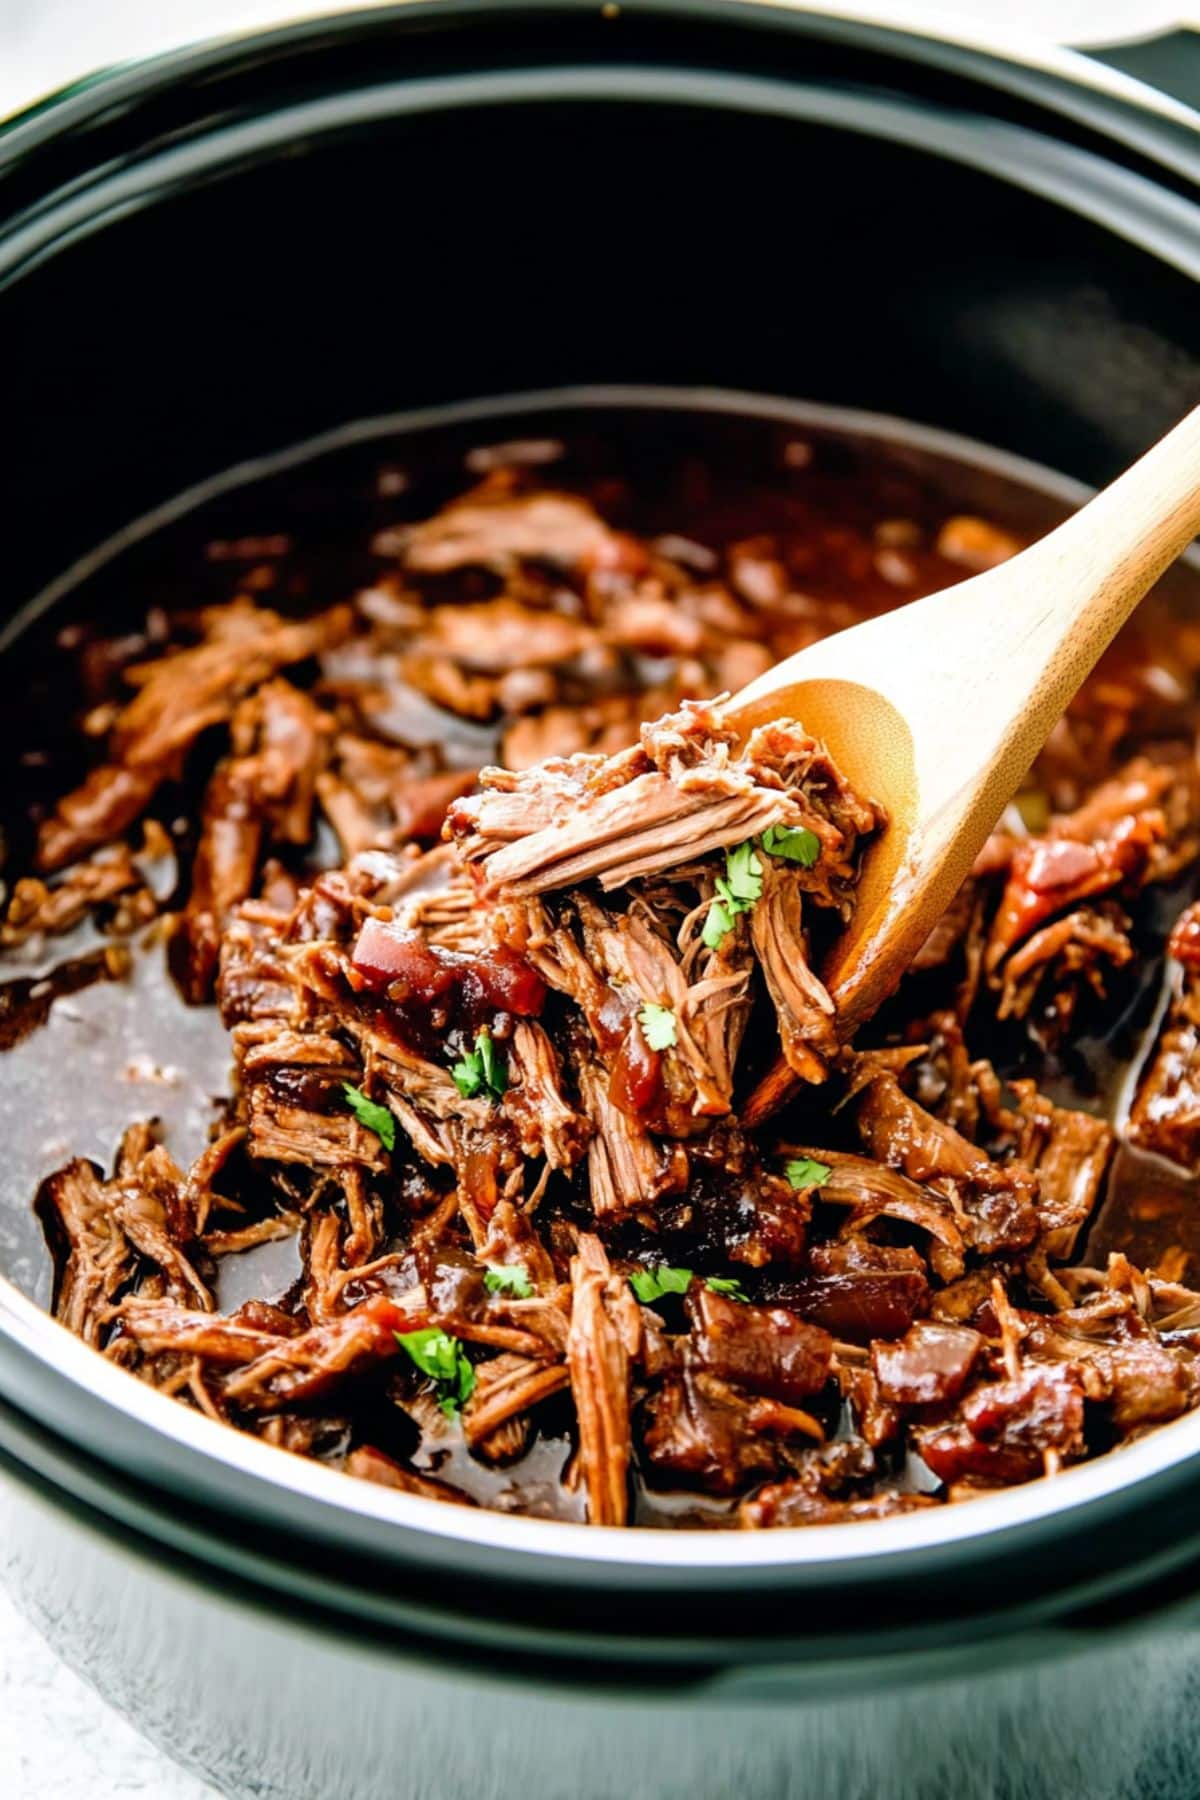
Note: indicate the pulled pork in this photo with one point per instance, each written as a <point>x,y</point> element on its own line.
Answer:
<point>586,1208</point>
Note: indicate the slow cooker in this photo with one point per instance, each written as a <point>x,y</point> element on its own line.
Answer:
<point>388,216</point>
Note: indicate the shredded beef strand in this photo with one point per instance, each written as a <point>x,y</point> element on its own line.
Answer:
<point>604,1337</point>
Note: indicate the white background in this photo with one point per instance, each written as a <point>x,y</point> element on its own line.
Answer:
<point>57,1740</point>
<point>44,43</point>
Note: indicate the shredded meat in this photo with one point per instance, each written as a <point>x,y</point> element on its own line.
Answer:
<point>1004,1430</point>
<point>106,803</point>
<point>110,886</point>
<point>627,1170</point>
<point>679,795</point>
<point>506,1389</point>
<point>603,1340</point>
<point>1053,939</point>
<point>767,1350</point>
<point>177,698</point>
<point>803,1008</point>
<point>260,795</point>
<point>569,1194</point>
<point>300,1368</point>
<point>700,1433</point>
<point>497,529</point>
<point>996,1204</point>
<point>833,1485</point>
<point>98,1258</point>
<point>930,1364</point>
<point>1166,1111</point>
<point>372,1465</point>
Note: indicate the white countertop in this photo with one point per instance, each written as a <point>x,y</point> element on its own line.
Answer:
<point>58,1741</point>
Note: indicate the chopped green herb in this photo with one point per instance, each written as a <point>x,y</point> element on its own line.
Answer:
<point>806,1172</point>
<point>652,1284</point>
<point>509,1278</point>
<point>495,1070</point>
<point>658,1024</point>
<point>444,1360</point>
<point>468,1075</point>
<point>793,843</point>
<point>717,926</point>
<point>737,891</point>
<point>376,1118</point>
<point>726,1286</point>
<point>433,1350</point>
<point>481,1070</point>
<point>744,872</point>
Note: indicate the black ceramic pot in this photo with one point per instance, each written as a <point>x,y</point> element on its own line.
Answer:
<point>220,253</point>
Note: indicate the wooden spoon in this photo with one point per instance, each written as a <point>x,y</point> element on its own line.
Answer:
<point>938,708</point>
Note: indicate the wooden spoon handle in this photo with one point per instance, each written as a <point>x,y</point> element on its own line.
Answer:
<point>1086,577</point>
<point>983,671</point>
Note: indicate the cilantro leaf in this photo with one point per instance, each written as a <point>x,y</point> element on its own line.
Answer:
<point>658,1025</point>
<point>727,1287</point>
<point>509,1278</point>
<point>806,1172</point>
<point>652,1284</point>
<point>744,873</point>
<point>495,1069</point>
<point>717,926</point>
<point>375,1118</point>
<point>433,1350</point>
<point>793,843</point>
<point>737,891</point>
<point>481,1070</point>
<point>468,1075</point>
<point>444,1360</point>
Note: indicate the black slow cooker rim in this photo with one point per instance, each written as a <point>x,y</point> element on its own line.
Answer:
<point>1063,79</point>
<point>409,1533</point>
<point>92,118</point>
<point>130,137</point>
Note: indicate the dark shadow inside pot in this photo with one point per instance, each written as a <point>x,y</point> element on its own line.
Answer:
<point>245,301</point>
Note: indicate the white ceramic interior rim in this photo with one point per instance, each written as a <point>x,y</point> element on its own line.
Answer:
<point>1113,1474</point>
<point>225,21</point>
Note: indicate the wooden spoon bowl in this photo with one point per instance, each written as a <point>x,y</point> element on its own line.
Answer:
<point>938,709</point>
